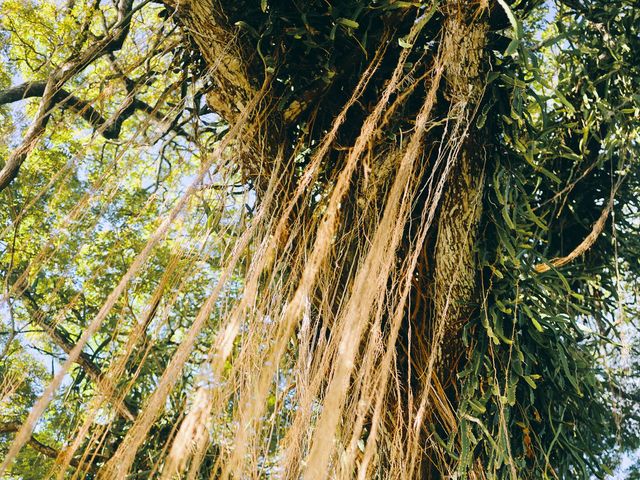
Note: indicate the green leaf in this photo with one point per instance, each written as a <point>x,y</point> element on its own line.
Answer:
<point>403,43</point>
<point>477,407</point>
<point>529,380</point>
<point>517,26</point>
<point>245,26</point>
<point>513,81</point>
<point>512,48</point>
<point>565,102</point>
<point>537,325</point>
<point>403,4</point>
<point>345,22</point>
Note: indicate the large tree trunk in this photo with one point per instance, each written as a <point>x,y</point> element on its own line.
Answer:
<point>455,263</point>
<point>446,290</point>
<point>450,284</point>
<point>455,274</point>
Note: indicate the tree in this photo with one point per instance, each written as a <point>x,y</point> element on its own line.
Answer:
<point>367,238</point>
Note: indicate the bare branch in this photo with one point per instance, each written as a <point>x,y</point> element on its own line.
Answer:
<point>587,243</point>
<point>109,128</point>
<point>66,100</point>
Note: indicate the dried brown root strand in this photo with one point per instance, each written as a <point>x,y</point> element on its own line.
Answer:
<point>587,243</point>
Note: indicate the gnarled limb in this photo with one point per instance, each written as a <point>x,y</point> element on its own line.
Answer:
<point>236,73</point>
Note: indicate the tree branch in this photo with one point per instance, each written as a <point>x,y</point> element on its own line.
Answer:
<point>108,128</point>
<point>38,446</point>
<point>85,361</point>
<point>111,42</point>
<point>223,52</point>
<point>587,243</point>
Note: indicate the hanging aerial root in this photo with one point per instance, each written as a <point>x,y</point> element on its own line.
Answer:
<point>292,309</point>
<point>158,235</point>
<point>121,461</point>
<point>314,262</point>
<point>118,367</point>
<point>369,287</point>
<point>191,437</point>
<point>589,240</point>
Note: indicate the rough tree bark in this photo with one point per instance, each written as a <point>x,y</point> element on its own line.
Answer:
<point>446,289</point>
<point>455,270</point>
<point>236,75</point>
<point>452,259</point>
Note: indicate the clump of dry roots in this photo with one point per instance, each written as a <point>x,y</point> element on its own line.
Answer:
<point>303,377</point>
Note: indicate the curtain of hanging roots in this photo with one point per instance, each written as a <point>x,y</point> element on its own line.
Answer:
<point>317,325</point>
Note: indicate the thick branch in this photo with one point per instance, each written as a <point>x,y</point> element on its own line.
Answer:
<point>108,128</point>
<point>85,361</point>
<point>109,43</point>
<point>235,73</point>
<point>220,46</point>
<point>38,446</point>
<point>121,29</point>
<point>67,100</point>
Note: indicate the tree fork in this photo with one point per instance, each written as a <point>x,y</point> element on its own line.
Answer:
<point>110,43</point>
